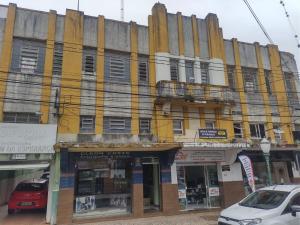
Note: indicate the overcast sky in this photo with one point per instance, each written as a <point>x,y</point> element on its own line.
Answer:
<point>234,16</point>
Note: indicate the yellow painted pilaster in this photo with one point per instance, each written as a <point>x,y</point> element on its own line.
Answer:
<point>202,118</point>
<point>186,117</point>
<point>71,73</point>
<point>5,58</point>
<point>46,90</point>
<point>164,126</point>
<point>195,36</point>
<point>180,34</point>
<point>134,79</point>
<point>100,76</point>
<point>240,89</point>
<point>279,89</point>
<point>160,28</point>
<point>213,36</point>
<point>263,89</point>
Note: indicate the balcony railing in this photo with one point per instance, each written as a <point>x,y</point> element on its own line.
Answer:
<point>194,92</point>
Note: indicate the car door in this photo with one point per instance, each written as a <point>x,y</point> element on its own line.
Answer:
<point>286,217</point>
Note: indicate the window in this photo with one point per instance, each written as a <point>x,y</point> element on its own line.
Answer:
<point>174,70</point>
<point>290,88</point>
<point>117,67</point>
<point>143,70</point>
<point>277,131</point>
<point>250,79</point>
<point>178,126</point>
<point>87,124</point>
<point>117,125</point>
<point>89,64</point>
<point>231,77</point>
<point>257,130</point>
<point>57,60</point>
<point>17,117</point>
<point>189,71</point>
<point>210,124</point>
<point>29,59</point>
<point>145,126</point>
<point>204,73</point>
<point>268,81</point>
<point>238,130</point>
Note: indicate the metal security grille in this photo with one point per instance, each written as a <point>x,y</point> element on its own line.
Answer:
<point>17,117</point>
<point>28,59</point>
<point>89,65</point>
<point>87,124</point>
<point>204,73</point>
<point>143,71</point>
<point>250,79</point>
<point>189,71</point>
<point>145,126</point>
<point>117,67</point>
<point>57,60</point>
<point>174,70</point>
<point>231,77</point>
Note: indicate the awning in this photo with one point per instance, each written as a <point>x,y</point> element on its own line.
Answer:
<point>24,166</point>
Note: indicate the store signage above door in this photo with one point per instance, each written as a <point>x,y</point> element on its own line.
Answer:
<point>212,134</point>
<point>190,156</point>
<point>214,145</point>
<point>27,138</point>
<point>103,155</point>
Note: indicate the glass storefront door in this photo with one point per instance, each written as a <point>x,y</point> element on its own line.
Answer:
<point>198,186</point>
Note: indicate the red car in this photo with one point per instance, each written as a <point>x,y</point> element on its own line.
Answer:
<point>29,194</point>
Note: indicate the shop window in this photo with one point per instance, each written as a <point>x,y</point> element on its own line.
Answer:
<point>103,187</point>
<point>204,73</point>
<point>178,127</point>
<point>145,126</point>
<point>250,79</point>
<point>238,130</point>
<point>174,70</point>
<point>210,124</point>
<point>231,77</point>
<point>57,60</point>
<point>17,117</point>
<point>189,71</point>
<point>87,124</point>
<point>257,130</point>
<point>143,70</point>
<point>117,125</point>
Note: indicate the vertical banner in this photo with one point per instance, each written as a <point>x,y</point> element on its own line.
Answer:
<point>247,164</point>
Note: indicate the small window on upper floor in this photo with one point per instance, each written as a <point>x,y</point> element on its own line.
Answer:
<point>29,59</point>
<point>87,124</point>
<point>145,126</point>
<point>174,70</point>
<point>89,61</point>
<point>238,130</point>
<point>277,132</point>
<point>290,87</point>
<point>268,81</point>
<point>189,71</point>
<point>231,77</point>
<point>210,124</point>
<point>143,70</point>
<point>117,67</point>
<point>117,124</point>
<point>250,79</point>
<point>178,126</point>
<point>257,130</point>
<point>20,117</point>
<point>57,59</point>
<point>204,73</point>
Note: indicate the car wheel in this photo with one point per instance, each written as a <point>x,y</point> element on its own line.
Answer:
<point>10,211</point>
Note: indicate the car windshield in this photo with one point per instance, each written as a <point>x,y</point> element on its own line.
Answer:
<point>265,199</point>
<point>30,187</point>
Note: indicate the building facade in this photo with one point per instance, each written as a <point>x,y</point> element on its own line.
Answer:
<point>149,118</point>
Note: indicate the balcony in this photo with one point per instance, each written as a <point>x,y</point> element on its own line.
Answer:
<point>193,93</point>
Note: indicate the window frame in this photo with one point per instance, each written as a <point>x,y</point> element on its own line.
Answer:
<point>145,76</point>
<point>89,64</point>
<point>189,68</point>
<point>240,128</point>
<point>93,124</point>
<point>22,117</point>
<point>121,122</point>
<point>57,60</point>
<point>25,52</point>
<point>231,74</point>
<point>250,76</point>
<point>145,130</point>
<point>204,66</point>
<point>210,122</point>
<point>174,68</point>
<point>113,73</point>
<point>258,130</point>
<point>178,131</point>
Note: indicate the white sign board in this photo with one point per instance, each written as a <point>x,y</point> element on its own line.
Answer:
<point>214,145</point>
<point>181,193</point>
<point>27,138</point>
<point>214,192</point>
<point>247,164</point>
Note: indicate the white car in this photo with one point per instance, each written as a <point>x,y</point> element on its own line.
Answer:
<point>274,205</point>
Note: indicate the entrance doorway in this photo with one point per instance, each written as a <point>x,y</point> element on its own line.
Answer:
<point>151,187</point>
<point>198,186</point>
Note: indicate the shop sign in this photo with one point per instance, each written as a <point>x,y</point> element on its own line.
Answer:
<point>86,203</point>
<point>200,156</point>
<point>214,192</point>
<point>212,133</point>
<point>27,138</point>
<point>181,193</point>
<point>214,145</point>
<point>103,155</point>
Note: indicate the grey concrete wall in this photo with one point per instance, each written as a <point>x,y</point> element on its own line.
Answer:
<point>2,28</point>
<point>203,38</point>
<point>143,40</point>
<point>31,24</point>
<point>145,102</point>
<point>288,62</point>
<point>229,52</point>
<point>173,34</point>
<point>117,35</point>
<point>90,31</point>
<point>266,58</point>
<point>3,11</point>
<point>21,92</point>
<point>188,36</point>
<point>117,104</point>
<point>247,55</point>
<point>88,98</point>
<point>60,24</point>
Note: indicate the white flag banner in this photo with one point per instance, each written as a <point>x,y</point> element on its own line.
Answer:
<point>247,164</point>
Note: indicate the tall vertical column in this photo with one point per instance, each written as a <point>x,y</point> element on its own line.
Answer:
<point>71,73</point>
<point>46,90</point>
<point>240,88</point>
<point>280,91</point>
<point>100,76</point>
<point>137,189</point>
<point>214,38</point>
<point>134,79</point>
<point>5,59</point>
<point>181,69</point>
<point>264,91</point>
